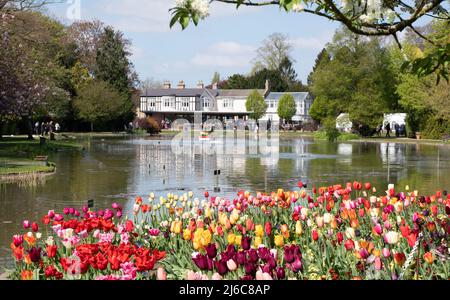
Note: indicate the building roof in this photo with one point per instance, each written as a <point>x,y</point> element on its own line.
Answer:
<point>238,93</point>
<point>177,92</point>
<point>297,96</point>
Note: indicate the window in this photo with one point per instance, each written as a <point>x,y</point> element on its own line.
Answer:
<point>169,102</point>
<point>227,103</point>
<point>185,103</point>
<point>143,104</point>
<point>272,104</point>
<point>206,102</point>
<point>151,103</point>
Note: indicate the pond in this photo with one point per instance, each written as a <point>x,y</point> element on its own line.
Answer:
<point>119,169</point>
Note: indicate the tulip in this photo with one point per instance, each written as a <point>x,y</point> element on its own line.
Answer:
<point>232,266</point>
<point>340,237</point>
<point>268,228</point>
<point>298,228</point>
<point>350,233</point>
<point>17,240</point>
<point>161,274</point>
<point>26,224</point>
<point>367,186</point>
<point>429,257</point>
<point>378,264</point>
<point>363,253</point>
<point>377,229</point>
<point>211,251</point>
<point>349,245</point>
<point>281,274</point>
<point>297,266</point>
<point>216,277</point>
<point>246,243</point>
<point>392,237</point>
<point>279,240</point>
<point>315,235</point>
<point>399,258</point>
<point>35,254</point>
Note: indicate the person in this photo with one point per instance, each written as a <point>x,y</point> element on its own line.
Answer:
<point>36,128</point>
<point>380,130</point>
<point>42,129</point>
<point>403,130</point>
<point>397,130</point>
<point>388,130</point>
<point>57,127</point>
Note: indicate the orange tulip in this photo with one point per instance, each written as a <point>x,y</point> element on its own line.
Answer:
<point>429,257</point>
<point>27,275</point>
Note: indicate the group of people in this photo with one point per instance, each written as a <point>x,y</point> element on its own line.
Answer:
<point>46,128</point>
<point>400,130</point>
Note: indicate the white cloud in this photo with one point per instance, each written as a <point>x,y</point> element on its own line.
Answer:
<point>225,54</point>
<point>312,43</point>
<point>136,52</point>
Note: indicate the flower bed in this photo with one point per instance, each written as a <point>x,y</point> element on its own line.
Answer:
<point>335,233</point>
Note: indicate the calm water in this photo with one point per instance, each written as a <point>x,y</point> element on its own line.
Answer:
<point>117,170</point>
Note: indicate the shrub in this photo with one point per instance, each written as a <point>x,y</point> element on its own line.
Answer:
<point>148,124</point>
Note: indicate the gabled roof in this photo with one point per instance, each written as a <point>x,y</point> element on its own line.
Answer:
<point>177,92</point>
<point>238,93</point>
<point>297,96</point>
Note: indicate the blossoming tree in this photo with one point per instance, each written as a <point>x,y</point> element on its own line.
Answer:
<point>365,17</point>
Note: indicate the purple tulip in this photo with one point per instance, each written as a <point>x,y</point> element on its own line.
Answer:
<point>241,258</point>
<point>201,261</point>
<point>246,242</point>
<point>253,256</point>
<point>281,274</point>
<point>289,254</point>
<point>35,254</point>
<point>250,268</point>
<point>221,266</point>
<point>297,266</point>
<point>211,250</point>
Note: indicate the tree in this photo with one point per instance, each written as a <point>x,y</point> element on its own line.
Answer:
<point>236,81</point>
<point>357,79</point>
<point>86,36</point>
<point>287,71</point>
<point>258,80</point>
<point>365,17</point>
<point>274,54</point>
<point>97,102</point>
<point>149,84</point>
<point>114,67</point>
<point>287,107</point>
<point>216,78</point>
<point>323,55</point>
<point>256,105</point>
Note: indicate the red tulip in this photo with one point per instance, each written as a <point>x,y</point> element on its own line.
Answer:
<point>349,245</point>
<point>315,235</point>
<point>268,228</point>
<point>206,194</point>
<point>357,185</point>
<point>399,258</point>
<point>367,186</point>
<point>300,184</point>
<point>129,226</point>
<point>35,227</point>
<point>340,237</point>
<point>51,251</point>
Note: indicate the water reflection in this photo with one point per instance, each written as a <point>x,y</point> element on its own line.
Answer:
<point>119,169</point>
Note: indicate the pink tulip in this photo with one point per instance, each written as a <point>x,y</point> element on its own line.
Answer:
<point>231,264</point>
<point>26,224</point>
<point>387,225</point>
<point>378,229</point>
<point>161,274</point>
<point>51,214</point>
<point>216,277</point>
<point>386,252</point>
<point>378,264</point>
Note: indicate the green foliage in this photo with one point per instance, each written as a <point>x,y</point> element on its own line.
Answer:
<point>287,107</point>
<point>258,80</point>
<point>216,78</point>
<point>236,81</point>
<point>341,136</point>
<point>331,131</point>
<point>97,101</point>
<point>257,105</point>
<point>355,78</point>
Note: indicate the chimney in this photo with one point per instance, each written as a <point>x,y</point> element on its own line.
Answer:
<point>181,85</point>
<point>215,86</point>
<point>167,85</point>
<point>200,85</point>
<point>267,88</point>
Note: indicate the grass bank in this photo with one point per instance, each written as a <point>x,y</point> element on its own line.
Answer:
<point>17,156</point>
<point>343,137</point>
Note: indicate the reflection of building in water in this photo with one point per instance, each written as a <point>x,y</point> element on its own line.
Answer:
<point>345,152</point>
<point>393,153</point>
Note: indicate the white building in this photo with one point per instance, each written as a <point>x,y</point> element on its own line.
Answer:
<point>169,103</point>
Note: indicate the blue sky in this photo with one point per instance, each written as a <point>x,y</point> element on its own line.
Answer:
<point>225,42</point>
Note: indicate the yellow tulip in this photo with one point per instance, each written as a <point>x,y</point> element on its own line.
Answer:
<point>258,241</point>
<point>259,231</point>
<point>279,240</point>
<point>298,228</point>
<point>187,234</point>
<point>231,238</point>
<point>206,238</point>
<point>238,240</point>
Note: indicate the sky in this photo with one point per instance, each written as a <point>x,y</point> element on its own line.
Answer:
<point>225,42</point>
